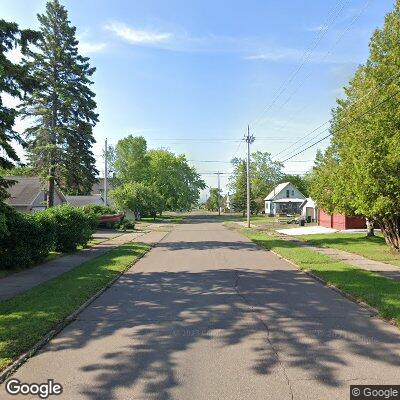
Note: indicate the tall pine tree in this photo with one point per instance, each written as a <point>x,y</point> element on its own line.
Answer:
<point>13,81</point>
<point>62,107</point>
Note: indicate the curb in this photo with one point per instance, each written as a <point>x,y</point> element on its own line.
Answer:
<point>344,294</point>
<point>348,296</point>
<point>66,321</point>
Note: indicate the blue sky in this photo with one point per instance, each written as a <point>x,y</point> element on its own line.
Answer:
<point>190,75</point>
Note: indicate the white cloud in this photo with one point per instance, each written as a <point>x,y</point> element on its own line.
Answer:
<point>136,36</point>
<point>89,47</point>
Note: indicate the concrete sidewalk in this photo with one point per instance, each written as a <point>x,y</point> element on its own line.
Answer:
<point>387,270</point>
<point>20,282</point>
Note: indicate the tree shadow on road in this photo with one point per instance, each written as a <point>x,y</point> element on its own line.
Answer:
<point>297,326</point>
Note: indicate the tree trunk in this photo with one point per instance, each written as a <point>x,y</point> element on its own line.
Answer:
<point>51,188</point>
<point>52,169</point>
<point>370,227</point>
<point>391,232</point>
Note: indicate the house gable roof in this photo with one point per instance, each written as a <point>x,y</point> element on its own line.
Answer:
<point>85,200</point>
<point>26,189</point>
<point>280,188</point>
<point>277,190</point>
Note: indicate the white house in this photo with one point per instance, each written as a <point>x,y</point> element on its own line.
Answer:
<point>284,199</point>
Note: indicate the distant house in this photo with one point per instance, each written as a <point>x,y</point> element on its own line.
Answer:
<point>29,194</point>
<point>309,210</point>
<point>96,195</point>
<point>80,201</point>
<point>340,221</point>
<point>284,199</point>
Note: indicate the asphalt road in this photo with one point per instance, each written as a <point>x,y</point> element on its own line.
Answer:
<point>208,315</point>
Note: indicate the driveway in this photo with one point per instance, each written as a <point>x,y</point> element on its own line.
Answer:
<point>208,315</point>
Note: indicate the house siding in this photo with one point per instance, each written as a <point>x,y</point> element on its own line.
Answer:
<point>291,188</point>
<point>288,193</point>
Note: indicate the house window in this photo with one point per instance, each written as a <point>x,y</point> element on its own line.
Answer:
<point>293,193</point>
<point>287,193</point>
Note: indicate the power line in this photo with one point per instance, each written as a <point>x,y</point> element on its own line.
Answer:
<point>306,57</point>
<point>348,124</point>
<point>385,82</point>
<point>328,53</point>
<point>303,137</point>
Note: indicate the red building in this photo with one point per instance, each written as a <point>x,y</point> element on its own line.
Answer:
<point>340,221</point>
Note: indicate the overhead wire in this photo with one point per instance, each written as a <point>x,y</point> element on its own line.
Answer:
<point>346,125</point>
<point>305,58</point>
<point>386,82</point>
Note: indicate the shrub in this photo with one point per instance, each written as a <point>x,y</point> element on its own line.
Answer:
<point>73,226</point>
<point>26,240</point>
<point>126,224</point>
<point>44,242</point>
<point>98,209</point>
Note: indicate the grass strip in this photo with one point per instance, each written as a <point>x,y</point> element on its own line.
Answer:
<point>28,317</point>
<point>375,290</point>
<point>373,248</point>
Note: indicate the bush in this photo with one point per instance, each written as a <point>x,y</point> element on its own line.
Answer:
<point>98,209</point>
<point>26,240</point>
<point>73,226</point>
<point>44,242</point>
<point>126,224</point>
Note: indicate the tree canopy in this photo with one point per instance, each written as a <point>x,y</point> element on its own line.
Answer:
<point>14,81</point>
<point>61,108</point>
<point>359,172</point>
<point>264,175</point>
<point>167,176</point>
<point>213,200</point>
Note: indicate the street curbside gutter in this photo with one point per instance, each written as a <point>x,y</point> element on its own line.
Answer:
<point>375,312</point>
<point>348,296</point>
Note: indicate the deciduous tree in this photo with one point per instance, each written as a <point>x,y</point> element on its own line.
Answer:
<point>359,173</point>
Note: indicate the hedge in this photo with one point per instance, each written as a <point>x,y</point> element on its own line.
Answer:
<point>27,239</point>
<point>74,227</point>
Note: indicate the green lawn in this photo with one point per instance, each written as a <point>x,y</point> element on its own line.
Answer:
<point>26,318</point>
<point>259,222</point>
<point>373,289</point>
<point>373,248</point>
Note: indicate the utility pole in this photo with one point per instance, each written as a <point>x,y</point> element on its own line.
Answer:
<point>219,188</point>
<point>105,172</point>
<point>249,139</point>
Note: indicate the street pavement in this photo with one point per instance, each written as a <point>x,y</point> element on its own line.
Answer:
<point>209,315</point>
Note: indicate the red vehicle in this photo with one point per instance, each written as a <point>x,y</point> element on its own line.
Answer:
<point>104,219</point>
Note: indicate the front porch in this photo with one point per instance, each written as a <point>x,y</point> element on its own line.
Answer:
<point>283,206</point>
